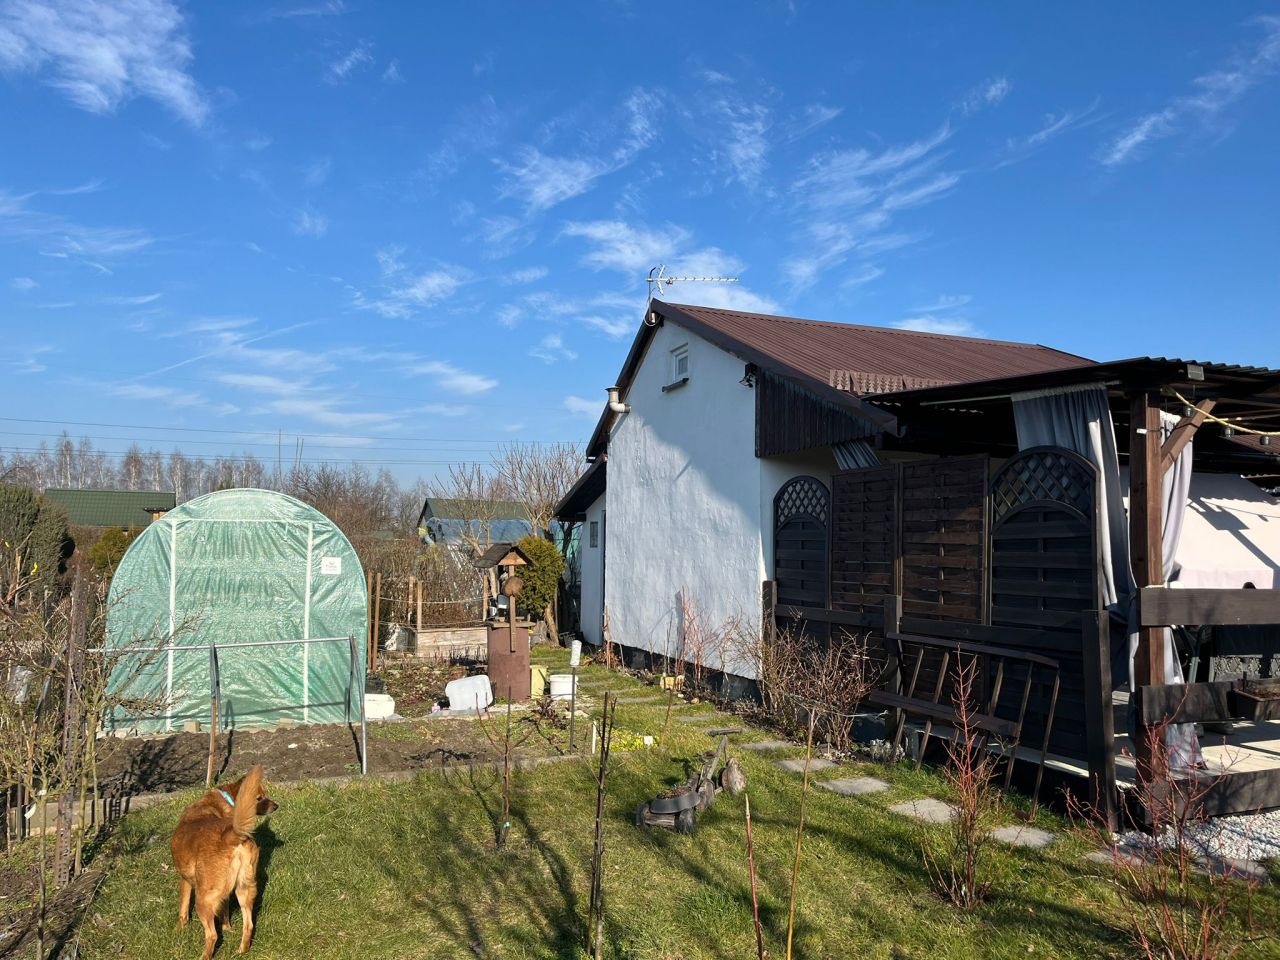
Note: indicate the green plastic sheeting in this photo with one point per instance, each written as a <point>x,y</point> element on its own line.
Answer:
<point>236,567</point>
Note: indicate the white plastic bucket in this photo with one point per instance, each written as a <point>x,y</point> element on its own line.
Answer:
<point>562,685</point>
<point>378,706</point>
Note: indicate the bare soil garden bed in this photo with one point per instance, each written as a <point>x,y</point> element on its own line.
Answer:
<point>129,767</point>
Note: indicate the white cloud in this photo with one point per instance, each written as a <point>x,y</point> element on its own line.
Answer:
<point>584,408</point>
<point>23,283</point>
<point>986,94</point>
<point>171,396</point>
<point>526,275</point>
<point>1212,94</point>
<point>509,315</point>
<point>100,55</point>
<point>445,409</point>
<point>1052,126</point>
<point>953,326</point>
<point>747,141</point>
<point>616,326</point>
<point>808,120</point>
<point>57,236</point>
<point>848,198</point>
<point>28,360</point>
<point>315,173</point>
<point>309,223</point>
<point>451,378</point>
<point>541,181</point>
<point>342,68</point>
<point>136,301</point>
<point>551,349</point>
<point>503,235</point>
<point>330,9</point>
<point>627,248</point>
<point>946,302</point>
<point>392,73</point>
<point>257,144</point>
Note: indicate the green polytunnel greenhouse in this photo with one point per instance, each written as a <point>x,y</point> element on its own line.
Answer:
<point>239,571</point>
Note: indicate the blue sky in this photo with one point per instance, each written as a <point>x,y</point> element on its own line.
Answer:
<point>424,229</point>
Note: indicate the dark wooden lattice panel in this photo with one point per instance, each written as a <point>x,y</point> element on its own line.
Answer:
<point>863,538</point>
<point>801,512</point>
<point>943,538</point>
<point>1044,576</point>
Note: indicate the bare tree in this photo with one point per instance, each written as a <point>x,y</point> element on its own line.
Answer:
<point>538,476</point>
<point>478,492</point>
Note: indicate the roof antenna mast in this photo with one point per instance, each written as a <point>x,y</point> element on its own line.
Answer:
<point>658,276</point>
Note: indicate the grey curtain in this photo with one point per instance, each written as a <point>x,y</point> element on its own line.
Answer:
<point>854,455</point>
<point>1078,418</point>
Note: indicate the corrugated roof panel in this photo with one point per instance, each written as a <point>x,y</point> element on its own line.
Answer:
<point>821,349</point>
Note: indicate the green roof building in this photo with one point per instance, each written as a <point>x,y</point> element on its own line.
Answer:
<point>112,508</point>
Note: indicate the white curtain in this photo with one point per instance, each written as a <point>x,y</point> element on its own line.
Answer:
<point>1175,489</point>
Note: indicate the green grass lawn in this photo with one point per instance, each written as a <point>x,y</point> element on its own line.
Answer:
<point>411,869</point>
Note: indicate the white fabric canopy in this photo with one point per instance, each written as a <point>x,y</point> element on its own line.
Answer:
<point>1230,534</point>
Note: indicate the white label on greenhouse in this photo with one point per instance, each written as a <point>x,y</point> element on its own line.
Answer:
<point>331,566</point>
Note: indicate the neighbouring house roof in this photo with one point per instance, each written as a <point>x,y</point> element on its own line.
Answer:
<point>447,508</point>
<point>842,362</point>
<point>112,508</point>
<point>585,491</point>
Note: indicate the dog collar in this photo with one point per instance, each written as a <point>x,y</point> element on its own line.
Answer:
<point>227,797</point>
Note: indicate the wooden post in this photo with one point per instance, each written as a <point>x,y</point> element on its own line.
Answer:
<point>377,616</point>
<point>417,621</point>
<point>1147,552</point>
<point>1099,723</point>
<point>64,861</point>
<point>368,633</point>
<point>768,608</point>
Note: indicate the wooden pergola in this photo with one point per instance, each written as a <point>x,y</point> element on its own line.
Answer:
<point>1232,412</point>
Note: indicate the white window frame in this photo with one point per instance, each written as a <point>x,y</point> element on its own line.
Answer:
<point>679,354</point>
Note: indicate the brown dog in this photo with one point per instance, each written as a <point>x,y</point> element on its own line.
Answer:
<point>215,854</point>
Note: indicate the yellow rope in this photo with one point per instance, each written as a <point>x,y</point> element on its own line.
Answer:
<point>1228,422</point>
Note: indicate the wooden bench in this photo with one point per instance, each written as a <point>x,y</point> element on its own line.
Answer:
<point>983,718</point>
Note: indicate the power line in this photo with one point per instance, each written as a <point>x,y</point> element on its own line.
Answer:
<point>267,433</point>
<point>250,443</point>
<point>120,455</point>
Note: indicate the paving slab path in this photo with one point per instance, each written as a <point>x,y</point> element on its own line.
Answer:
<point>796,764</point>
<point>1032,838</point>
<point>927,810</point>
<point>768,745</point>
<point>855,786</point>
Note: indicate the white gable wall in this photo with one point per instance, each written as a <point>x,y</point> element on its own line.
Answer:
<point>684,501</point>
<point>591,562</point>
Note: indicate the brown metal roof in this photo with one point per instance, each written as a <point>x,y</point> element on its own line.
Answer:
<point>840,362</point>
<point>874,357</point>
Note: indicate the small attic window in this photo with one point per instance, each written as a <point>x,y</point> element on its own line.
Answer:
<point>679,368</point>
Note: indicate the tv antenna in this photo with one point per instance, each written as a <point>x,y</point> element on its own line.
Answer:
<point>658,277</point>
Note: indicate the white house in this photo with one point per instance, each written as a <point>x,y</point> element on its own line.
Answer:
<point>723,428</point>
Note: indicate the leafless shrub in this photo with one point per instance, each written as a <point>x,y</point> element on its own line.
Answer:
<point>1183,898</point>
<point>955,857</point>
<point>799,673</point>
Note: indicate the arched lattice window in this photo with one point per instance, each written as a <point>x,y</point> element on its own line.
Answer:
<point>801,515</point>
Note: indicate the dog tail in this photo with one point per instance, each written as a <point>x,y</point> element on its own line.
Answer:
<point>244,815</point>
